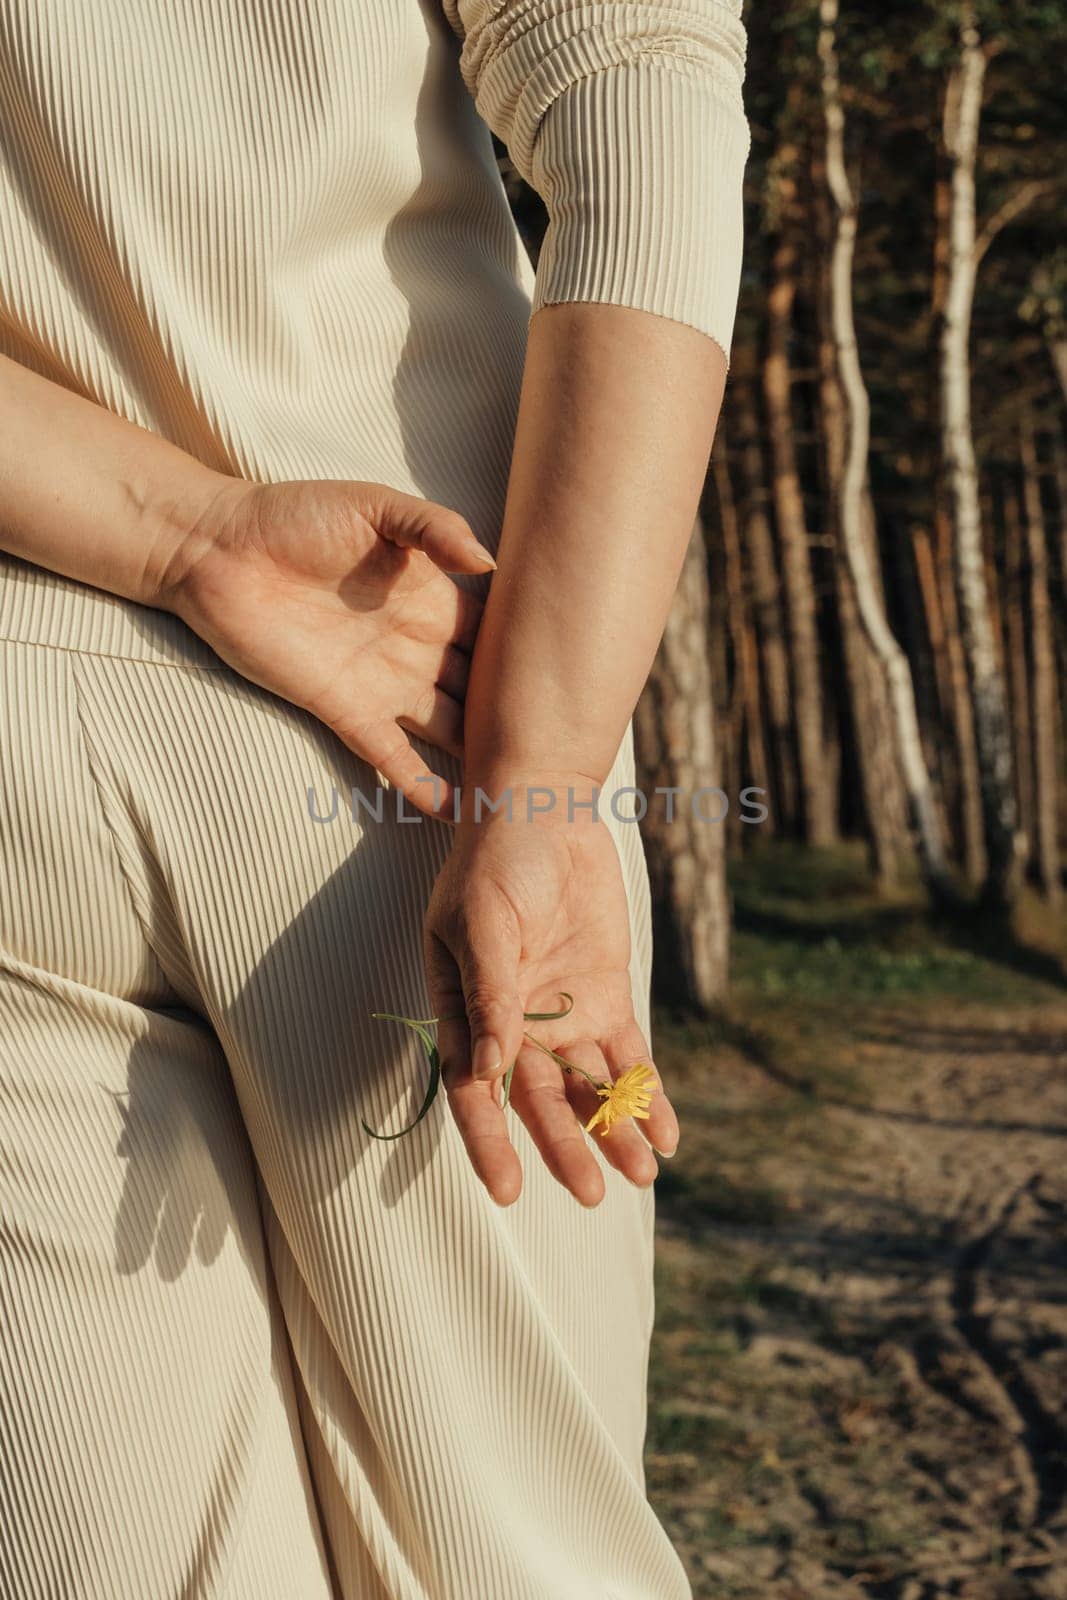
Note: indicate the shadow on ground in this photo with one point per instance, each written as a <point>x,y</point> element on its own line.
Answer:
<point>859,1377</point>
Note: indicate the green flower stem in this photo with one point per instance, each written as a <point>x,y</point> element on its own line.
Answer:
<point>568,1066</point>
<point>421,1025</point>
<point>551,1016</point>
<point>412,1022</point>
<point>458,1016</point>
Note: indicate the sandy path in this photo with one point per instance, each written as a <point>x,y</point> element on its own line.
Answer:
<point>860,1385</point>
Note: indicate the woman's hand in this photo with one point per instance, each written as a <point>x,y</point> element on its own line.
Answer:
<point>334,596</point>
<point>523,911</point>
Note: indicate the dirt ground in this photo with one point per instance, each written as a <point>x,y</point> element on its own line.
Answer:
<point>859,1378</point>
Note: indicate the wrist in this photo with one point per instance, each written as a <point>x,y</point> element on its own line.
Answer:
<point>185,525</point>
<point>543,795</point>
<point>501,746</point>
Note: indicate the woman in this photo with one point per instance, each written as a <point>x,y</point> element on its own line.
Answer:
<point>273,368</point>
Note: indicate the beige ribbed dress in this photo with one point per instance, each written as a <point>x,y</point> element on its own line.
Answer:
<point>246,1351</point>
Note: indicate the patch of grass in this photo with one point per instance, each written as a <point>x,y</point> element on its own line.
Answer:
<point>810,925</point>
<point>693,1198</point>
<point>795,874</point>
<point>686,1426</point>
<point>859,970</point>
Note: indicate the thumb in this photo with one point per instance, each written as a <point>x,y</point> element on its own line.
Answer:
<point>441,534</point>
<point>488,959</point>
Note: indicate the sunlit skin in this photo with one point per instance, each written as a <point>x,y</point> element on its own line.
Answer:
<point>615,427</point>
<point>334,596</point>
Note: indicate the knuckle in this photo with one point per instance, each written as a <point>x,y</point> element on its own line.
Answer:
<point>451,521</point>
<point>425,701</point>
<point>484,1001</point>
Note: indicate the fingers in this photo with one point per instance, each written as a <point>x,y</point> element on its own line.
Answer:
<point>488,969</point>
<point>474,1105</point>
<point>453,672</point>
<point>472,974</point>
<point>482,943</point>
<point>553,1104</point>
<point>386,746</point>
<point>484,1131</point>
<point>466,620</point>
<point>439,533</point>
<point>622,1146</point>
<point>627,1048</point>
<point>454,621</point>
<point>439,719</point>
<point>540,1099</point>
<point>446,1003</point>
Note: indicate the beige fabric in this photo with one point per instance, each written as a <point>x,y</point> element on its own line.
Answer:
<point>274,231</point>
<point>187,966</point>
<point>235,1333</point>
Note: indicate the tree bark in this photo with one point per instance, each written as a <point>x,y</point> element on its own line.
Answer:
<point>676,747</point>
<point>1057,349</point>
<point>1046,856</point>
<point>963,758</point>
<point>1059,468</point>
<point>1018,675</point>
<point>750,756</point>
<point>992,578</point>
<point>766,603</point>
<point>970,786</point>
<point>818,811</point>
<point>992,735</point>
<point>933,616</point>
<point>851,486</point>
<point>881,795</point>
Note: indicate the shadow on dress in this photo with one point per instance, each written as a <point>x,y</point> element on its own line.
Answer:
<point>354,948</point>
<point>442,392</point>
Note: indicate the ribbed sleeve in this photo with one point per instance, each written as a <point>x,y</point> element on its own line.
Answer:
<point>626,117</point>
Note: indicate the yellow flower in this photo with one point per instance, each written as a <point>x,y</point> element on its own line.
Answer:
<point>629,1096</point>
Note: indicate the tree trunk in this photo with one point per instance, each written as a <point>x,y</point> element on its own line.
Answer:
<point>853,517</point>
<point>992,735</point>
<point>1058,585</point>
<point>1043,674</point>
<point>1057,349</point>
<point>882,801</point>
<point>933,617</point>
<point>818,818</point>
<point>766,605</point>
<point>992,578</point>
<point>1059,464</point>
<point>1018,675</point>
<point>675,743</point>
<point>750,763</point>
<point>970,786</point>
<point>958,708</point>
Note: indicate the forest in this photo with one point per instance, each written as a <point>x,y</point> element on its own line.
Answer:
<point>872,627</point>
<point>859,1374</point>
<point>886,516</point>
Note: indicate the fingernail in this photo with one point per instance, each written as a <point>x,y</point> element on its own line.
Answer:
<point>486,1061</point>
<point>486,559</point>
<point>666,1154</point>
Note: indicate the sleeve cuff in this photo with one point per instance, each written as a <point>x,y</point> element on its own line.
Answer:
<point>640,166</point>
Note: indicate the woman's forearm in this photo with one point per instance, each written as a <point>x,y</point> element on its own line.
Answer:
<point>90,495</point>
<point>615,426</point>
